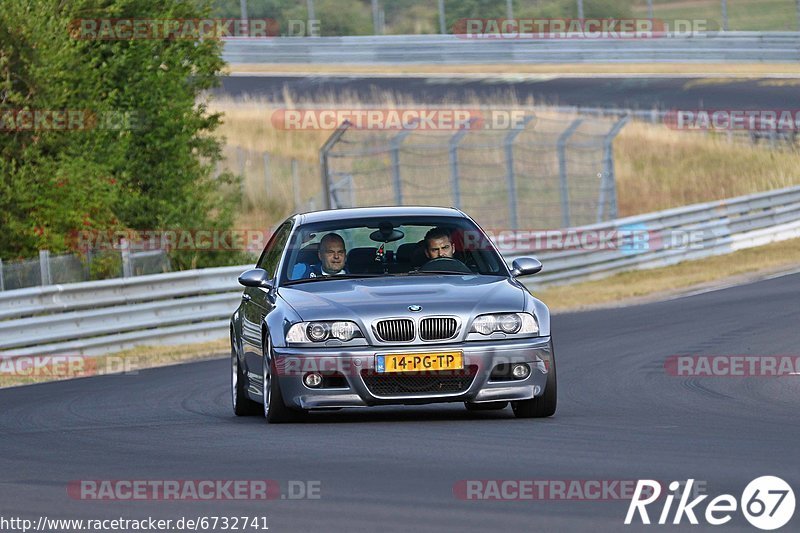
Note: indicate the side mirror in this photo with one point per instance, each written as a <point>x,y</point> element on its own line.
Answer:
<point>256,277</point>
<point>525,266</point>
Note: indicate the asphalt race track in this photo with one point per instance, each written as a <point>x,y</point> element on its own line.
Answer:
<point>634,92</point>
<point>620,417</point>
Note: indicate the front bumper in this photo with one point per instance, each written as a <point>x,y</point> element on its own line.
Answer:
<point>481,357</point>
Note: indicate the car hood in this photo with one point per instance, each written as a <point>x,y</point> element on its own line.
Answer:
<point>371,298</point>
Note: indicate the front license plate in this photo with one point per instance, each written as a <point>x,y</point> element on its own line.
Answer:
<point>419,362</point>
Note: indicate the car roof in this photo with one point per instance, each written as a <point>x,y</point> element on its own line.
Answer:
<point>372,212</point>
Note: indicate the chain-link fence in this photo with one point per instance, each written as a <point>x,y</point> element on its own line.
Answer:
<point>546,173</point>
<point>393,18</point>
<point>273,183</point>
<point>71,268</point>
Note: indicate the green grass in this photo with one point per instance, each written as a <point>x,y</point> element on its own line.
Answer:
<point>743,15</point>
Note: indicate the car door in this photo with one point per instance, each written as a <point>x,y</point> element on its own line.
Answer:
<point>257,302</point>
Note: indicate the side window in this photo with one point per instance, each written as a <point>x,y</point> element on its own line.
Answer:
<point>272,252</point>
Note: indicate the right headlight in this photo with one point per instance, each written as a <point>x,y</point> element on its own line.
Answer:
<point>509,323</point>
<point>321,331</point>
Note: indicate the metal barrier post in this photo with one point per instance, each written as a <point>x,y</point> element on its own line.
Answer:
<point>453,151</point>
<point>242,164</point>
<point>311,16</point>
<point>342,192</point>
<point>395,143</point>
<point>44,267</point>
<point>87,264</point>
<point>510,177</point>
<point>2,285</point>
<point>125,251</point>
<point>267,174</point>
<point>323,162</point>
<point>376,21</point>
<point>296,185</point>
<point>725,15</point>
<point>562,170</point>
<point>608,184</point>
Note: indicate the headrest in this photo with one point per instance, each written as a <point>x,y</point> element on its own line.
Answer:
<point>362,261</point>
<point>405,251</point>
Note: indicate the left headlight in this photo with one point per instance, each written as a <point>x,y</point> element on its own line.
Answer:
<point>311,332</point>
<point>509,323</point>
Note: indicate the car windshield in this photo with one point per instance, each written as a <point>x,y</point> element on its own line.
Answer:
<point>389,247</point>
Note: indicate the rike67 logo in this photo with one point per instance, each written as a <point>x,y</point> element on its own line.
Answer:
<point>767,503</point>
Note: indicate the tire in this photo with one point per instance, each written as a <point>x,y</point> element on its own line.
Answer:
<point>242,404</point>
<point>274,408</point>
<point>485,406</point>
<point>544,405</point>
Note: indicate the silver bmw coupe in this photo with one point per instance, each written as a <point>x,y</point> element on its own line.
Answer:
<point>386,306</point>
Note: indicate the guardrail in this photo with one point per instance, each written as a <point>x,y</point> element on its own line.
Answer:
<point>734,46</point>
<point>672,236</point>
<point>111,315</point>
<point>191,306</point>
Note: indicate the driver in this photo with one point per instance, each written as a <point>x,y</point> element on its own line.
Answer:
<point>438,244</point>
<point>332,254</point>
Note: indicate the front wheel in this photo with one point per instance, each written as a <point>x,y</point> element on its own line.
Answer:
<point>275,410</point>
<point>242,405</point>
<point>544,405</point>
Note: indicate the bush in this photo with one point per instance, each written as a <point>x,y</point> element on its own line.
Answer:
<point>149,167</point>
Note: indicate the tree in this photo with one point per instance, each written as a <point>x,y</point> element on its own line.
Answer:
<point>144,155</point>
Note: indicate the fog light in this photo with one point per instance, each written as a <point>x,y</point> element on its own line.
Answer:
<point>521,371</point>
<point>312,379</point>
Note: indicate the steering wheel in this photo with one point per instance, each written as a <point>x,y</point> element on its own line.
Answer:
<point>445,264</point>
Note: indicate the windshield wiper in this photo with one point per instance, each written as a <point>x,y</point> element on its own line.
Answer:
<point>340,276</point>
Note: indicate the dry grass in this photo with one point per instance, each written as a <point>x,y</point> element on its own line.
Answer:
<point>249,133</point>
<point>745,70</point>
<point>662,281</point>
<point>128,362</point>
<point>659,168</point>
